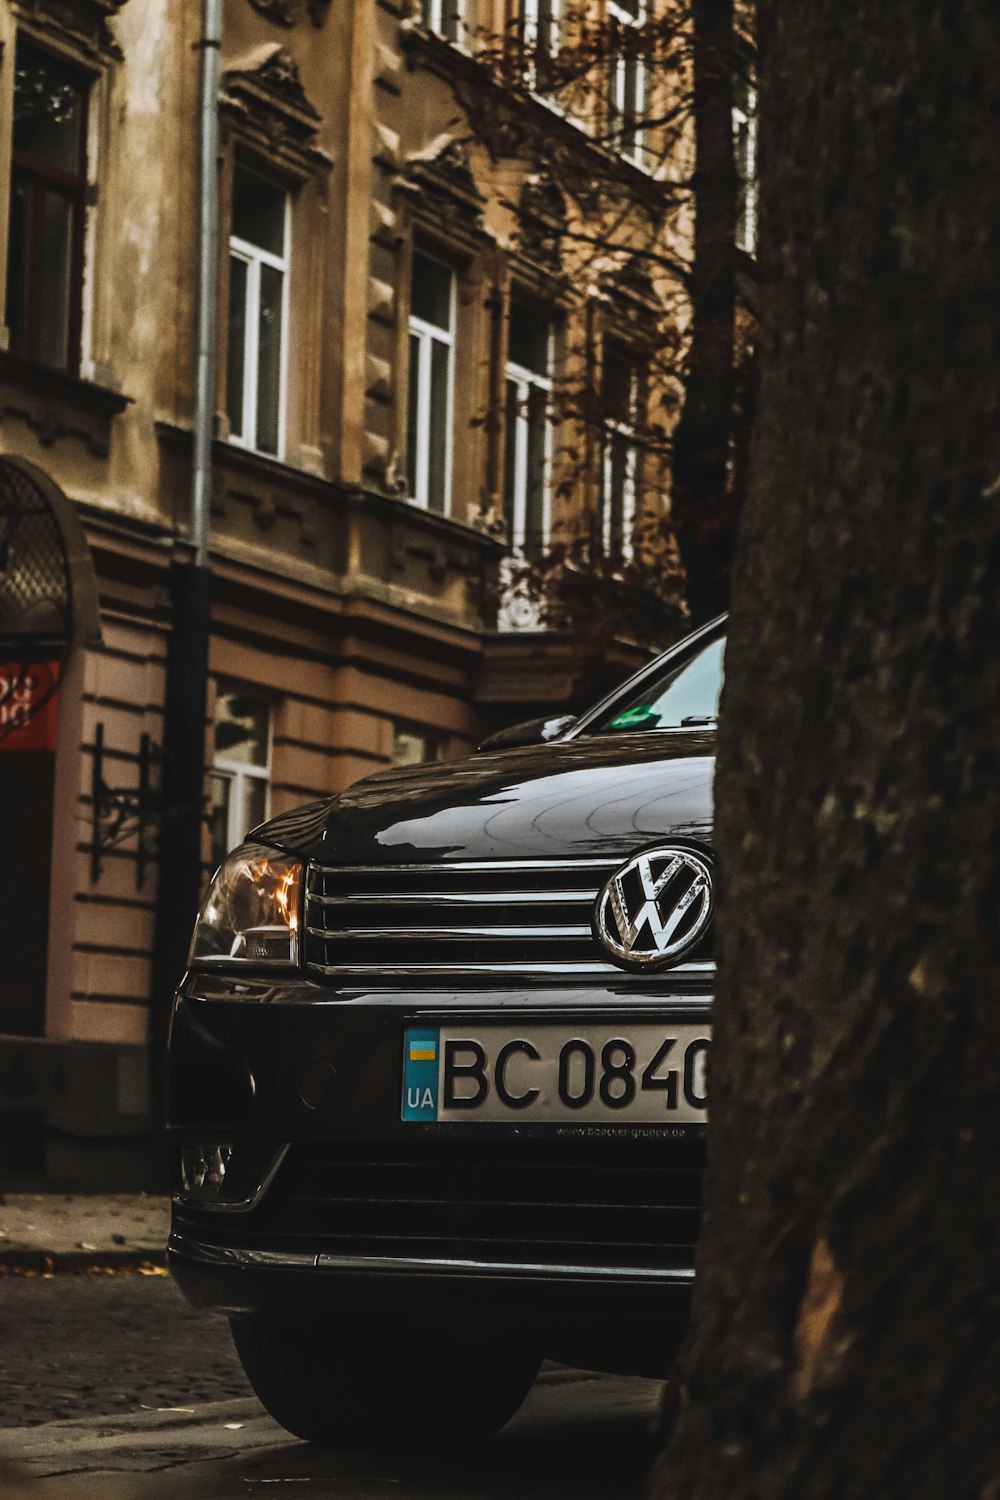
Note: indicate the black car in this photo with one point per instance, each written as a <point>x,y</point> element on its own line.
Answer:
<point>437,1071</point>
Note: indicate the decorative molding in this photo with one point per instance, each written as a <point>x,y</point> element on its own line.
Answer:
<point>381,461</point>
<point>381,301</point>
<point>389,68</point>
<point>83,23</point>
<point>490,519</point>
<point>376,454</point>
<point>438,557</point>
<point>393,478</point>
<point>378,379</point>
<point>266,504</point>
<point>399,512</point>
<point>56,406</point>
<point>383,224</point>
<point>441,178</point>
<point>631,286</point>
<point>386,151</point>
<point>290,12</point>
<point>268,488</point>
<point>263,95</point>
<point>278,74</point>
<point>452,164</point>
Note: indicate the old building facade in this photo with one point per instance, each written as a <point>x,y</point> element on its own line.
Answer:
<point>406,284</point>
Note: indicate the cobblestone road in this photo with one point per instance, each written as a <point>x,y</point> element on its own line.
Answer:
<point>86,1345</point>
<point>112,1389</point>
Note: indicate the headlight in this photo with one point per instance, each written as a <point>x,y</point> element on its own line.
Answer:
<point>251,913</point>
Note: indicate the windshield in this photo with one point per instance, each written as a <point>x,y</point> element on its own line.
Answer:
<point>684,696</point>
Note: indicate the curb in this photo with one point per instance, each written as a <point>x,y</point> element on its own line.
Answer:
<point>14,1261</point>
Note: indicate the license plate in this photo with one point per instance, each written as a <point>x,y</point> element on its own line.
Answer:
<point>633,1073</point>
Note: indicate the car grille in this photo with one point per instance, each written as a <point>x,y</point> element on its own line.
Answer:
<point>483,917</point>
<point>589,1204</point>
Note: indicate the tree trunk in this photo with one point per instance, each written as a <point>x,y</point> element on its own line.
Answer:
<point>701,499</point>
<point>845,1333</point>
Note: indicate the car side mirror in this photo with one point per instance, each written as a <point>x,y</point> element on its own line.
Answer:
<point>530,732</point>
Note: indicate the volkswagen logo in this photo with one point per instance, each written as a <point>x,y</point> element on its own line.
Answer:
<point>655,907</point>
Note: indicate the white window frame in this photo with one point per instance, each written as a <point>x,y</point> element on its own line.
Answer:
<point>615,427</point>
<point>530,31</point>
<point>527,380</point>
<point>428,334</point>
<point>432,740</point>
<point>254,257</point>
<point>238,773</point>
<point>745,120</point>
<point>623,19</point>
<point>434,12</point>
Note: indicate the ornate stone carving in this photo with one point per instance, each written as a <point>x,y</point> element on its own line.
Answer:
<point>443,173</point>
<point>291,12</point>
<point>452,162</point>
<point>275,73</point>
<point>394,478</point>
<point>632,282</point>
<point>268,504</point>
<point>490,519</point>
<point>544,218</point>
<point>264,92</point>
<point>84,22</point>
<point>437,558</point>
<point>507,136</point>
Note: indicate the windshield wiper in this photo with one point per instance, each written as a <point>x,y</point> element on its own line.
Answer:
<point>699,721</point>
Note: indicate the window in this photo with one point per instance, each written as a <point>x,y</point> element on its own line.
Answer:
<point>620,392</point>
<point>528,430</point>
<point>241,769</point>
<point>745,155</point>
<point>428,442</point>
<point>626,78</point>
<point>47,207</point>
<point>445,17</point>
<point>411,747</point>
<point>538,23</point>
<point>680,696</point>
<point>258,313</point>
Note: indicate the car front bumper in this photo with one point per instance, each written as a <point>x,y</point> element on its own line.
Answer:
<point>317,1198</point>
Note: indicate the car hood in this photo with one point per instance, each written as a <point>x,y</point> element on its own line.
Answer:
<point>599,796</point>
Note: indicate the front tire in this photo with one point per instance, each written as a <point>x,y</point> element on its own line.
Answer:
<point>352,1386</point>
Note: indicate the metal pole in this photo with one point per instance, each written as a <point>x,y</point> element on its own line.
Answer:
<point>208,266</point>
<point>183,772</point>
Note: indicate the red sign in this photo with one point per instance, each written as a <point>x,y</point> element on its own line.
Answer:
<point>28,705</point>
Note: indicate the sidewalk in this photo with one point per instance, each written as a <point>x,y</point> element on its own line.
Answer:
<point>78,1231</point>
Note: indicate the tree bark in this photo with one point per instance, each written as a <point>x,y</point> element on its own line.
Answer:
<point>702,503</point>
<point>845,1332</point>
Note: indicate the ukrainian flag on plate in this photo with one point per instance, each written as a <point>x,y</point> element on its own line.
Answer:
<point>421,1046</point>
